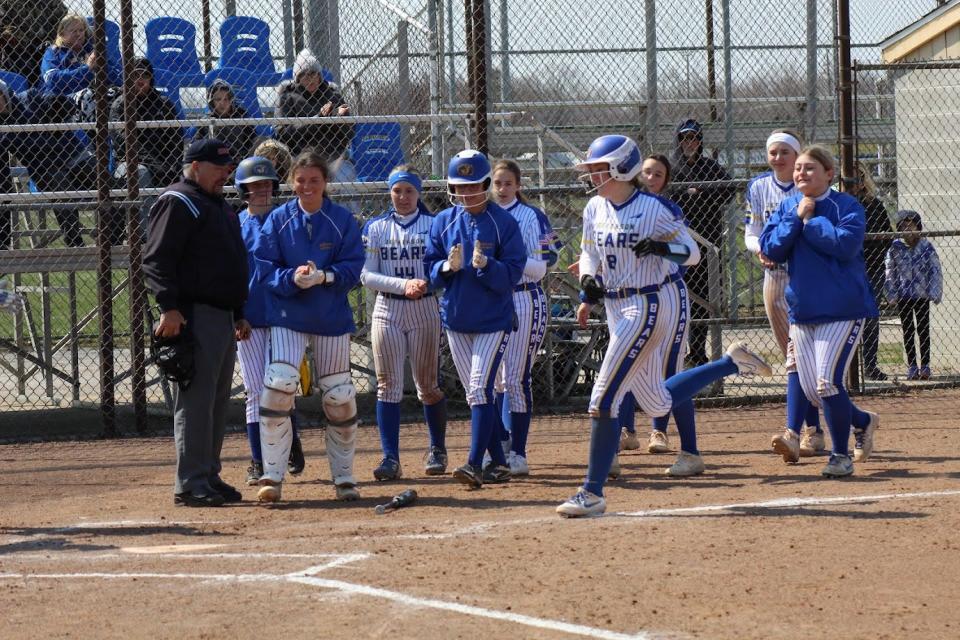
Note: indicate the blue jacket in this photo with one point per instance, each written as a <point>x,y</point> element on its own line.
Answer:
<point>255,310</point>
<point>331,239</point>
<point>64,71</point>
<point>913,273</point>
<point>476,300</point>
<point>828,278</point>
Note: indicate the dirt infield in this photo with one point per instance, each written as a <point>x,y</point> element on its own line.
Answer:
<point>92,546</point>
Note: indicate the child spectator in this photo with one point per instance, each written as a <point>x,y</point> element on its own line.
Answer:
<point>913,280</point>
<point>222,103</point>
<point>279,156</point>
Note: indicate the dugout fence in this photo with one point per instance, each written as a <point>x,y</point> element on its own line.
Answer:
<point>423,79</point>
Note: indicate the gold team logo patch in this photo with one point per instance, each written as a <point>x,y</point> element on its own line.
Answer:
<point>465,170</point>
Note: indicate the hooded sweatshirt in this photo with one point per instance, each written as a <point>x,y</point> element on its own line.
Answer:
<point>241,138</point>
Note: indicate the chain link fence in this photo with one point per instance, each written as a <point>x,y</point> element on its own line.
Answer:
<point>373,83</point>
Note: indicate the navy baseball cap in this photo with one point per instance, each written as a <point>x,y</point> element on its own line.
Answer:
<point>209,150</point>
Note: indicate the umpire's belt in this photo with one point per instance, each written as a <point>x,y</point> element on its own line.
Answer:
<point>673,277</point>
<point>400,296</point>
<point>619,294</point>
<point>530,286</point>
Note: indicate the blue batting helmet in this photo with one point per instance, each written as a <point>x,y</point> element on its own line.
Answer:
<point>255,169</point>
<point>468,167</point>
<point>620,152</point>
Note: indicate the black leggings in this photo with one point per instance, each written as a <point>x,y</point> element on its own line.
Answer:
<point>908,309</point>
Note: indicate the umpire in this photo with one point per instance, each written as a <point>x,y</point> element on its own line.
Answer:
<point>195,263</point>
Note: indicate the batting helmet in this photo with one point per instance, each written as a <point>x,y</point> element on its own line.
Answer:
<point>620,152</point>
<point>255,169</point>
<point>468,167</point>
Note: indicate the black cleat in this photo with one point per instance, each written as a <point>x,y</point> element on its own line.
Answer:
<point>190,499</point>
<point>297,462</point>
<point>436,464</point>
<point>469,475</point>
<point>496,474</point>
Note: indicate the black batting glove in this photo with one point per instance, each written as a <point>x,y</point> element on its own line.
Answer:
<point>647,247</point>
<point>592,292</point>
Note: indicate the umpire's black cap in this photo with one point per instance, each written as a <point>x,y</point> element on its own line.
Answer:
<point>209,150</point>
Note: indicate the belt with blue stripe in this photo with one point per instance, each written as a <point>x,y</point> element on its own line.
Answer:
<point>530,286</point>
<point>400,296</point>
<point>619,294</point>
<point>673,277</point>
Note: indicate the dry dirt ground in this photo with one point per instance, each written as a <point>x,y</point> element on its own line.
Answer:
<point>91,545</point>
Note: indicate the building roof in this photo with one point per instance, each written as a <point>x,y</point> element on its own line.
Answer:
<point>897,46</point>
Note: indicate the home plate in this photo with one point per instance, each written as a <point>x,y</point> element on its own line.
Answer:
<point>171,548</point>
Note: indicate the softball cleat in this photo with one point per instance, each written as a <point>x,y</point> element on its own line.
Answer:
<point>748,363</point>
<point>270,490</point>
<point>811,442</point>
<point>630,441</point>
<point>787,445</point>
<point>863,439</point>
<point>839,466</point>
<point>583,505</point>
<point>658,442</point>
<point>687,464</point>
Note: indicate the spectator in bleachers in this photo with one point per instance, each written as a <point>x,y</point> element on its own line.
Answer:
<point>279,156</point>
<point>704,207</point>
<point>310,95</point>
<point>68,64</point>
<point>160,150</point>
<point>55,160</point>
<point>26,27</point>
<point>223,105</point>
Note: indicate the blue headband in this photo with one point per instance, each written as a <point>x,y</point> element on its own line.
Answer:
<point>404,176</point>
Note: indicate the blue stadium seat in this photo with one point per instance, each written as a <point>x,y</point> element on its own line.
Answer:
<point>245,44</point>
<point>113,41</point>
<point>16,82</point>
<point>169,84</point>
<point>245,90</point>
<point>288,74</point>
<point>172,46</point>
<point>376,149</point>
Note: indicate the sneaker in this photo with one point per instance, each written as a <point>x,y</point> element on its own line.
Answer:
<point>496,474</point>
<point>630,441</point>
<point>614,472</point>
<point>518,465</point>
<point>270,490</point>
<point>190,499</point>
<point>296,462</point>
<point>811,442</point>
<point>924,373</point>
<point>347,492</point>
<point>787,444</point>
<point>863,439</point>
<point>583,504</point>
<point>658,442</point>
<point>469,475</point>
<point>436,464</point>
<point>913,373</point>
<point>254,471</point>
<point>687,464</point>
<point>389,469</point>
<point>838,467</point>
<point>748,363</point>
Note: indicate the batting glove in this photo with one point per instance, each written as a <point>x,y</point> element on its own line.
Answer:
<point>479,258</point>
<point>592,291</point>
<point>672,251</point>
<point>310,277</point>
<point>455,258</point>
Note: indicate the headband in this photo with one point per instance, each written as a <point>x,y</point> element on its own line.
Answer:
<point>404,176</point>
<point>786,139</point>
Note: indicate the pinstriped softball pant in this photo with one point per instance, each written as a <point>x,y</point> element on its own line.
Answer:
<point>477,357</point>
<point>522,347</point>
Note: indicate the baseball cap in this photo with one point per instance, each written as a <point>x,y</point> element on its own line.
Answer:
<point>209,150</point>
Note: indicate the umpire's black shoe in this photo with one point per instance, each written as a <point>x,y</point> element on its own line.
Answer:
<point>296,462</point>
<point>190,499</point>
<point>496,473</point>
<point>230,494</point>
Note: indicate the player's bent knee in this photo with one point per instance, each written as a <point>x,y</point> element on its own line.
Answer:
<point>280,383</point>
<point>430,396</point>
<point>339,399</point>
<point>826,389</point>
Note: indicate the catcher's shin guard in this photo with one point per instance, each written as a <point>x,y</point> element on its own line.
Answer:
<point>276,430</point>
<point>340,407</point>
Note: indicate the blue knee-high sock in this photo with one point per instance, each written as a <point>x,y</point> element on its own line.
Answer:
<point>660,423</point>
<point>837,412</point>
<point>519,429</point>
<point>502,415</point>
<point>604,441</point>
<point>685,417</point>
<point>253,437</point>
<point>482,423</point>
<point>627,414</point>
<point>495,448</point>
<point>798,407</point>
<point>388,420</point>
<point>686,384</point>
<point>813,417</point>
<point>859,418</point>
<point>435,415</point>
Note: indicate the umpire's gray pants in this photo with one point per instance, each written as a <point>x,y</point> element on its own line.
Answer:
<point>199,418</point>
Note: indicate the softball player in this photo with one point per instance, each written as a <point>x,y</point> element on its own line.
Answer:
<point>406,319</point>
<point>819,233</point>
<point>635,236</point>
<point>309,256</point>
<point>764,195</point>
<point>514,396</point>
<point>476,254</point>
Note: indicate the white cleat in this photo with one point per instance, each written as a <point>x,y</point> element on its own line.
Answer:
<point>518,465</point>
<point>687,464</point>
<point>748,363</point>
<point>811,442</point>
<point>864,438</point>
<point>270,490</point>
<point>583,505</point>
<point>658,442</point>
<point>787,445</point>
<point>629,442</point>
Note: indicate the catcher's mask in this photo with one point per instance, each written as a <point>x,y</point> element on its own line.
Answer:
<point>173,356</point>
